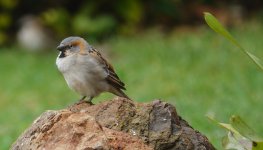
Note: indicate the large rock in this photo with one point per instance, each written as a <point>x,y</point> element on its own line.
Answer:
<point>116,124</point>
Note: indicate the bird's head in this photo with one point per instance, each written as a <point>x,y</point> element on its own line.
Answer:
<point>72,45</point>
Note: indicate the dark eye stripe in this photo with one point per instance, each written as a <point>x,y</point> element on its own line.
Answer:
<point>63,48</point>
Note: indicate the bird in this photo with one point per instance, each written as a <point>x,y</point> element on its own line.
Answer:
<point>86,71</point>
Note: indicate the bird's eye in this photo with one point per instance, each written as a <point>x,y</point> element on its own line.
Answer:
<point>70,46</point>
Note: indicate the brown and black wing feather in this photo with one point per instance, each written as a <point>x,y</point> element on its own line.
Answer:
<point>112,78</point>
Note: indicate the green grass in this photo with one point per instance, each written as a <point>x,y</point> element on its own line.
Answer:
<point>197,71</point>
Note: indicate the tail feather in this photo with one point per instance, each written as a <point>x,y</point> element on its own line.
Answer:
<point>120,93</point>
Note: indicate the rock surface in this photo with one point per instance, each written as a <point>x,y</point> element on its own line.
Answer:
<point>116,124</point>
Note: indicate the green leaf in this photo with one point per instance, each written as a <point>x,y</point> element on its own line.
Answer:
<point>240,135</point>
<point>255,59</point>
<point>214,24</point>
<point>244,129</point>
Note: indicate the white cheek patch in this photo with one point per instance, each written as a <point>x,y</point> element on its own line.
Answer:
<point>68,53</point>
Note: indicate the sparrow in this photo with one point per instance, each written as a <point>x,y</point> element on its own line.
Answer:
<point>86,71</point>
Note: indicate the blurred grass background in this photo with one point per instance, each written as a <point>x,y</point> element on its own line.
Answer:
<point>197,71</point>
<point>160,49</point>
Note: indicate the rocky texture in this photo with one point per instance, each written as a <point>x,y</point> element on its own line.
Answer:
<point>115,124</point>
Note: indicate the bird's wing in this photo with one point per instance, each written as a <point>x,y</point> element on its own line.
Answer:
<point>112,77</point>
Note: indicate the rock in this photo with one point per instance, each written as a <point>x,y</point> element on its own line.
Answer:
<point>116,124</point>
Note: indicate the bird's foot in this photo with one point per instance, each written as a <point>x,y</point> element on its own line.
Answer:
<point>82,99</point>
<point>90,98</point>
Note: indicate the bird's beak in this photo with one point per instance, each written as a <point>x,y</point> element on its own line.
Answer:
<point>61,47</point>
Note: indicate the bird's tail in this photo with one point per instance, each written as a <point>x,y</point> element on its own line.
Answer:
<point>120,93</point>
